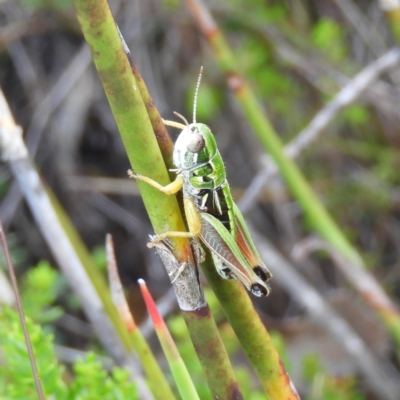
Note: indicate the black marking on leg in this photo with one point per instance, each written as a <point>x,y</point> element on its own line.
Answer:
<point>263,274</point>
<point>259,290</point>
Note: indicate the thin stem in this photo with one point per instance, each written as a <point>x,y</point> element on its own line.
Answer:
<point>315,213</point>
<point>392,10</point>
<point>346,96</point>
<point>136,115</point>
<point>21,314</point>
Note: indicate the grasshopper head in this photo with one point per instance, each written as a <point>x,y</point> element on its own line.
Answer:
<point>195,146</point>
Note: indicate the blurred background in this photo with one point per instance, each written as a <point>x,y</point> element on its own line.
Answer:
<point>296,55</point>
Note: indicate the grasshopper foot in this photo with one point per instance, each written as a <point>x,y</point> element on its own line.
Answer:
<point>132,175</point>
<point>154,239</point>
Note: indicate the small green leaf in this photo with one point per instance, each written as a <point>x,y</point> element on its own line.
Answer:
<point>356,114</point>
<point>209,102</point>
<point>329,37</point>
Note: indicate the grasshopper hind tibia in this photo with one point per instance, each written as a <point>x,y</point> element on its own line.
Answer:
<point>259,290</point>
<point>262,273</point>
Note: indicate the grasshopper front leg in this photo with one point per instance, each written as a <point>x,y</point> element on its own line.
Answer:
<point>171,188</point>
<point>192,217</point>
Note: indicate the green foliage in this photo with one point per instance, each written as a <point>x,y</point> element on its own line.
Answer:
<point>273,85</point>
<point>92,382</point>
<point>177,327</point>
<point>276,86</point>
<point>15,373</point>
<point>265,11</point>
<point>48,4</point>
<point>329,37</point>
<point>99,258</point>
<point>368,191</point>
<point>387,167</point>
<point>16,380</point>
<point>279,344</point>
<point>358,199</point>
<point>322,385</point>
<point>209,102</point>
<point>214,305</point>
<point>247,382</point>
<point>325,386</point>
<point>356,114</point>
<point>17,252</point>
<point>4,186</point>
<point>40,288</point>
<point>171,5</point>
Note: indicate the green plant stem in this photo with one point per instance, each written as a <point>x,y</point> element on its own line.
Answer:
<point>151,367</point>
<point>163,139</point>
<point>178,368</point>
<point>313,209</point>
<point>129,111</point>
<point>317,216</point>
<point>201,325</point>
<point>156,379</point>
<point>154,375</point>
<point>93,273</point>
<point>252,335</point>
<point>134,125</point>
<point>212,354</point>
<point>393,16</point>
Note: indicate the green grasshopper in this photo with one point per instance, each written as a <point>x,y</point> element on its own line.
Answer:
<point>211,213</point>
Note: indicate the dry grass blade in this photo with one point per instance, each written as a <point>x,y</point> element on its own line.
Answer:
<point>21,314</point>
<point>315,305</point>
<point>15,152</point>
<point>346,96</point>
<point>116,289</point>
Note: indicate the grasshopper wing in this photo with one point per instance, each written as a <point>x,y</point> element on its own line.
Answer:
<point>247,247</point>
<point>221,243</point>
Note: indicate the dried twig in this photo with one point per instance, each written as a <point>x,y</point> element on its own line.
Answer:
<point>314,69</point>
<point>155,376</point>
<point>21,314</point>
<point>15,152</point>
<point>307,136</point>
<point>41,117</point>
<point>323,315</point>
<point>364,282</point>
<point>371,37</point>
<point>119,186</point>
<point>346,96</point>
<point>116,289</point>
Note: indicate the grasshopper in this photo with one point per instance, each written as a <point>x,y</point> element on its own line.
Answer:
<point>211,214</point>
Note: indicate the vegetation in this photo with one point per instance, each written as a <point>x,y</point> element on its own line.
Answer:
<point>302,98</point>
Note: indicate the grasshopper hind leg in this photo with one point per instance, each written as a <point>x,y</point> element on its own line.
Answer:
<point>262,273</point>
<point>224,271</point>
<point>259,290</point>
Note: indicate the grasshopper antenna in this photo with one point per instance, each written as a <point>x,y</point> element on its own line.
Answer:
<point>182,118</point>
<point>196,94</point>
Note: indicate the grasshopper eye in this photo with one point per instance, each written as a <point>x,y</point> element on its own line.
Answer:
<point>196,143</point>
